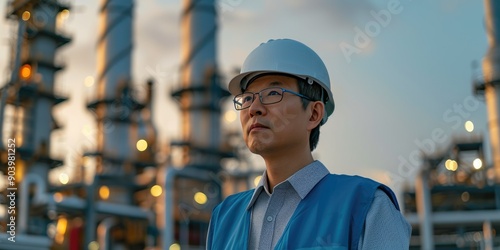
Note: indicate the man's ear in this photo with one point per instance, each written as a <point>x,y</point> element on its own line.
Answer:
<point>317,111</point>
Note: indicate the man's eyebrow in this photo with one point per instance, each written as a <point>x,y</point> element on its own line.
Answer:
<point>275,83</point>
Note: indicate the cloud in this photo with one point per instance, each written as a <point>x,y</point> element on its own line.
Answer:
<point>157,43</point>
<point>340,13</point>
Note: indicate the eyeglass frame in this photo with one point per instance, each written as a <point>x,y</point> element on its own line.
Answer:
<point>260,97</point>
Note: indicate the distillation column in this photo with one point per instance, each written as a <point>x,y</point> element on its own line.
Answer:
<point>491,72</point>
<point>201,93</point>
<point>200,98</point>
<point>31,96</point>
<point>125,135</point>
<point>114,58</point>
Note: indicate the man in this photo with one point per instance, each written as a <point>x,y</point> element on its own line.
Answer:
<point>283,95</point>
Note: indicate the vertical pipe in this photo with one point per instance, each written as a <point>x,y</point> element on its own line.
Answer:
<point>104,233</point>
<point>200,121</point>
<point>424,210</point>
<point>488,235</point>
<point>184,232</point>
<point>17,57</point>
<point>24,201</point>
<point>14,74</point>
<point>90,214</point>
<point>149,99</point>
<point>168,229</point>
<point>491,72</point>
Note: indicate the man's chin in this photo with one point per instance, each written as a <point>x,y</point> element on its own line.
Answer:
<point>258,147</point>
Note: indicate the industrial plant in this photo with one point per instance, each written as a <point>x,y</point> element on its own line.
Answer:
<point>455,203</point>
<point>131,200</point>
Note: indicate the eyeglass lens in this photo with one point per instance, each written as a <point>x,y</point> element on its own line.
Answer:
<point>267,96</point>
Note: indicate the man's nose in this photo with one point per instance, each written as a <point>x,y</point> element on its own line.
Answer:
<point>256,108</point>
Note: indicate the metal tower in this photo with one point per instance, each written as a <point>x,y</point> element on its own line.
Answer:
<point>457,204</point>
<point>193,186</point>
<point>126,139</point>
<point>490,85</point>
<point>30,98</point>
<point>113,210</point>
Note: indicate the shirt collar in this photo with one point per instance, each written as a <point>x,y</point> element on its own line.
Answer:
<point>258,189</point>
<point>303,181</point>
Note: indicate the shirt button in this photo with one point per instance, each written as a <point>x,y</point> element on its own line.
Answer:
<point>269,218</point>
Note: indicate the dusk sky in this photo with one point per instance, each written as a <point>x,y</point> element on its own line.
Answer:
<point>400,69</point>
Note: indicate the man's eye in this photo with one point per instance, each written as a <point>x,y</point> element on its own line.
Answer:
<point>246,99</point>
<point>273,92</point>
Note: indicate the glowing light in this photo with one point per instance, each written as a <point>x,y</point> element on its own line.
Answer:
<point>85,160</point>
<point>230,116</point>
<point>62,223</point>
<point>64,14</point>
<point>175,246</point>
<point>490,174</point>
<point>26,16</point>
<point>51,230</point>
<point>89,81</point>
<point>477,163</point>
<point>89,162</point>
<point>257,180</point>
<point>104,192</point>
<point>3,183</point>
<point>469,126</point>
<point>63,178</point>
<point>200,198</point>
<point>3,212</point>
<point>462,176</point>
<point>25,71</point>
<point>465,196</point>
<point>451,165</point>
<point>141,145</point>
<point>93,245</point>
<point>156,190</point>
<point>58,197</point>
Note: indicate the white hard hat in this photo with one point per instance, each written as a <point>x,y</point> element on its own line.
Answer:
<point>289,57</point>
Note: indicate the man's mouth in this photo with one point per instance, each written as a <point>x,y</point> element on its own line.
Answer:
<point>256,127</point>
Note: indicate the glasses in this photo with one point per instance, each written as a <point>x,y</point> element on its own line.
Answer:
<point>267,96</point>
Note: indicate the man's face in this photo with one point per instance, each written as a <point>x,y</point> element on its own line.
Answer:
<point>278,127</point>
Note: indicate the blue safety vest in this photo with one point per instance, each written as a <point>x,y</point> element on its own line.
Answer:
<point>331,216</point>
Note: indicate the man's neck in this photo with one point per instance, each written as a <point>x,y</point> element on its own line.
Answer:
<point>280,168</point>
